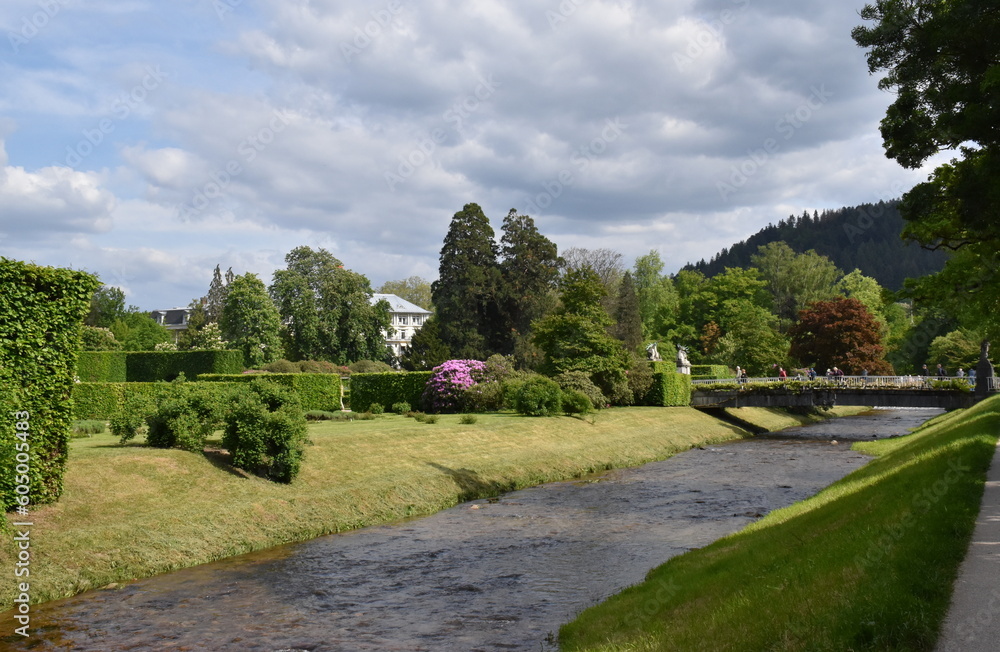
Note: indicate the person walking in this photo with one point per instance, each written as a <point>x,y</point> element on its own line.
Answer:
<point>941,373</point>
<point>782,374</point>
<point>924,371</point>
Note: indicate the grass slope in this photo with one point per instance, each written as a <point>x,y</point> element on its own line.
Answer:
<point>132,511</point>
<point>867,564</point>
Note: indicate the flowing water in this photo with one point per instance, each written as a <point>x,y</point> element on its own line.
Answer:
<point>498,574</point>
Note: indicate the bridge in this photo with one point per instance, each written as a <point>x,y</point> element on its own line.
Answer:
<point>889,391</point>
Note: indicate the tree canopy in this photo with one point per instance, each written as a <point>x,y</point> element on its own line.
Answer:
<point>842,333</point>
<point>942,60</point>
<point>250,321</point>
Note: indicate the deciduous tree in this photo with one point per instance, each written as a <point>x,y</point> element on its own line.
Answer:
<point>250,321</point>
<point>414,289</point>
<point>795,280</point>
<point>842,333</point>
<point>327,310</point>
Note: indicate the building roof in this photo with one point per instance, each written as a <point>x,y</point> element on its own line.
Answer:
<point>399,305</point>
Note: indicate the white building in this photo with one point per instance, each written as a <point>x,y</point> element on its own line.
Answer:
<point>406,319</point>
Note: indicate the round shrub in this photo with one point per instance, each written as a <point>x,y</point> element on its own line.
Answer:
<point>581,382</point>
<point>130,417</point>
<point>186,415</point>
<point>318,367</point>
<point>483,397</point>
<point>401,408</point>
<point>266,431</point>
<point>448,382</point>
<point>576,402</point>
<point>498,367</point>
<point>376,408</point>
<point>467,419</point>
<point>538,396</point>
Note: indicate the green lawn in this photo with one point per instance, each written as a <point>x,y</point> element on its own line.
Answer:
<point>867,564</point>
<point>132,511</point>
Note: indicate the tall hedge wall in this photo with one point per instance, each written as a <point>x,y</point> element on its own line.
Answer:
<point>316,391</point>
<point>101,366</point>
<point>150,366</point>
<point>41,312</point>
<point>388,388</point>
<point>669,389</point>
<point>101,400</point>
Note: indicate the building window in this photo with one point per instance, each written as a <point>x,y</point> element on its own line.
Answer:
<point>416,321</point>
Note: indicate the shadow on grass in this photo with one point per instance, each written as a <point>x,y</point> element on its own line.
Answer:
<point>471,485</point>
<point>221,459</point>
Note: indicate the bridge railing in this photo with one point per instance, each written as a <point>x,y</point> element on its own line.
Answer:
<point>859,382</point>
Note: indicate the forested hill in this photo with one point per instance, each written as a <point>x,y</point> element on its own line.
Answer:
<point>862,237</point>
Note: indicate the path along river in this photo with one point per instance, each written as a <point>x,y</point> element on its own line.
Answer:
<point>499,574</point>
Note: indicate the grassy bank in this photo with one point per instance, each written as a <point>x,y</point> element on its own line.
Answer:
<point>132,511</point>
<point>867,564</point>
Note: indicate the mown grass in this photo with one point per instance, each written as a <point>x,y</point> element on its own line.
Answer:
<point>867,564</point>
<point>133,511</point>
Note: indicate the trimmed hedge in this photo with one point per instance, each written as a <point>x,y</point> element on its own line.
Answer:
<point>101,400</point>
<point>151,366</point>
<point>316,391</point>
<point>710,371</point>
<point>101,366</point>
<point>669,389</point>
<point>387,388</point>
<point>41,314</point>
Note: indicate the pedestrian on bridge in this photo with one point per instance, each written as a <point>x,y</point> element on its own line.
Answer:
<point>941,373</point>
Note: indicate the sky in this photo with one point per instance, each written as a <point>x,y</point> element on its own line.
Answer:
<point>147,142</point>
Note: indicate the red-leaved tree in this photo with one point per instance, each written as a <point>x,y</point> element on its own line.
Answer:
<point>839,333</point>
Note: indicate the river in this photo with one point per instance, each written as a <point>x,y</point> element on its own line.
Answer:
<point>499,574</point>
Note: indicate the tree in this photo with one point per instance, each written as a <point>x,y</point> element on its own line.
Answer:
<point>866,290</point>
<point>327,310</point>
<point>607,263</point>
<point>628,323</point>
<point>529,270</point>
<point>842,333</point>
<point>795,280</point>
<point>466,290</point>
<point>426,349</point>
<point>106,306</point>
<point>940,59</point>
<point>190,338</point>
<point>137,331</point>
<point>658,300</point>
<point>250,321</point>
<point>575,337</point>
<point>751,339</point>
<point>959,348</point>
<point>414,289</point>
<point>216,297</point>
<point>95,338</point>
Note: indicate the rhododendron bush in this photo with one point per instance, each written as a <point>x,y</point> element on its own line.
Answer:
<point>449,381</point>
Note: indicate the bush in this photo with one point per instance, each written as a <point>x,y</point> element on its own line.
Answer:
<point>417,416</point>
<point>88,428</point>
<point>376,408</point>
<point>321,367</point>
<point>576,402</point>
<point>323,415</point>
<point>369,367</point>
<point>430,418</point>
<point>640,379</point>
<point>388,389</point>
<point>498,367</point>
<point>185,417</point>
<point>265,431</point>
<point>448,382</point>
<point>709,371</point>
<point>581,382</point>
<point>467,419</point>
<point>401,408</point>
<point>130,417</point>
<point>282,367</point>
<point>538,396</point>
<point>151,366</point>
<point>483,397</point>
<point>98,339</point>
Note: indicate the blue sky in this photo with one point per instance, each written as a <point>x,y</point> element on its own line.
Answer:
<point>149,141</point>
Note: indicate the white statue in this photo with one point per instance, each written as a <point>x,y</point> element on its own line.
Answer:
<point>653,353</point>
<point>683,365</point>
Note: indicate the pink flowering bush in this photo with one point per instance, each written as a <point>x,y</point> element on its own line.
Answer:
<point>448,383</point>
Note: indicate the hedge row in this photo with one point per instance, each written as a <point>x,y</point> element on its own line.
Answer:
<point>151,366</point>
<point>102,400</point>
<point>708,371</point>
<point>41,311</point>
<point>316,391</point>
<point>385,389</point>
<point>101,366</point>
<point>669,389</point>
